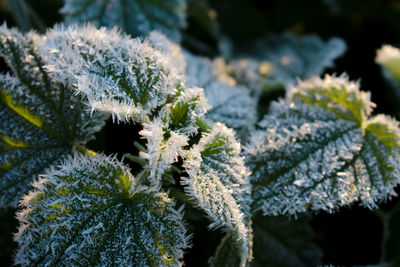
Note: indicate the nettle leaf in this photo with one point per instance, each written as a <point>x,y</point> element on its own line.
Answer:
<point>168,134</point>
<point>389,59</point>
<point>135,17</point>
<point>120,75</point>
<point>231,103</point>
<point>89,211</point>
<point>187,107</point>
<point>320,149</point>
<point>218,182</point>
<point>161,151</point>
<point>280,241</point>
<point>282,58</point>
<point>41,120</point>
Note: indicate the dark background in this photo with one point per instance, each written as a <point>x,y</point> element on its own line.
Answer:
<point>351,236</point>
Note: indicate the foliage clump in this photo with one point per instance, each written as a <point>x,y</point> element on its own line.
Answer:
<point>214,146</point>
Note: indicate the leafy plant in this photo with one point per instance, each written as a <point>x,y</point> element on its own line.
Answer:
<point>209,148</point>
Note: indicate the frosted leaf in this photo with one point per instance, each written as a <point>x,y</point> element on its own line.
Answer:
<point>89,211</point>
<point>120,75</point>
<point>389,59</point>
<point>168,134</point>
<point>187,107</point>
<point>280,241</point>
<point>282,58</point>
<point>135,17</point>
<point>336,94</point>
<point>218,182</point>
<point>231,104</point>
<point>324,155</point>
<point>41,120</point>
<point>161,151</point>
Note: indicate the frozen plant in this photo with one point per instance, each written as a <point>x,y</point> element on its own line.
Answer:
<point>87,197</point>
<point>319,148</point>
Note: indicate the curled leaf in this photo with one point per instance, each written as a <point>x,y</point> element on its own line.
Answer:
<point>218,182</point>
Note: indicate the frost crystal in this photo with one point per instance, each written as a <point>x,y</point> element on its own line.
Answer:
<point>90,212</point>
<point>320,149</point>
<point>135,17</point>
<point>218,182</point>
<point>117,74</point>
<point>284,58</point>
<point>40,119</point>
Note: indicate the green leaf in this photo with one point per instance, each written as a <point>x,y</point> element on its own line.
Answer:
<point>90,211</point>
<point>41,121</point>
<point>188,106</point>
<point>319,149</point>
<point>135,17</point>
<point>218,182</point>
<point>280,241</point>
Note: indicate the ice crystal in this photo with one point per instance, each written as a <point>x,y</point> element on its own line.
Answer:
<point>282,58</point>
<point>135,17</point>
<point>124,76</point>
<point>218,182</point>
<point>321,149</point>
<point>40,119</point>
<point>89,211</point>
